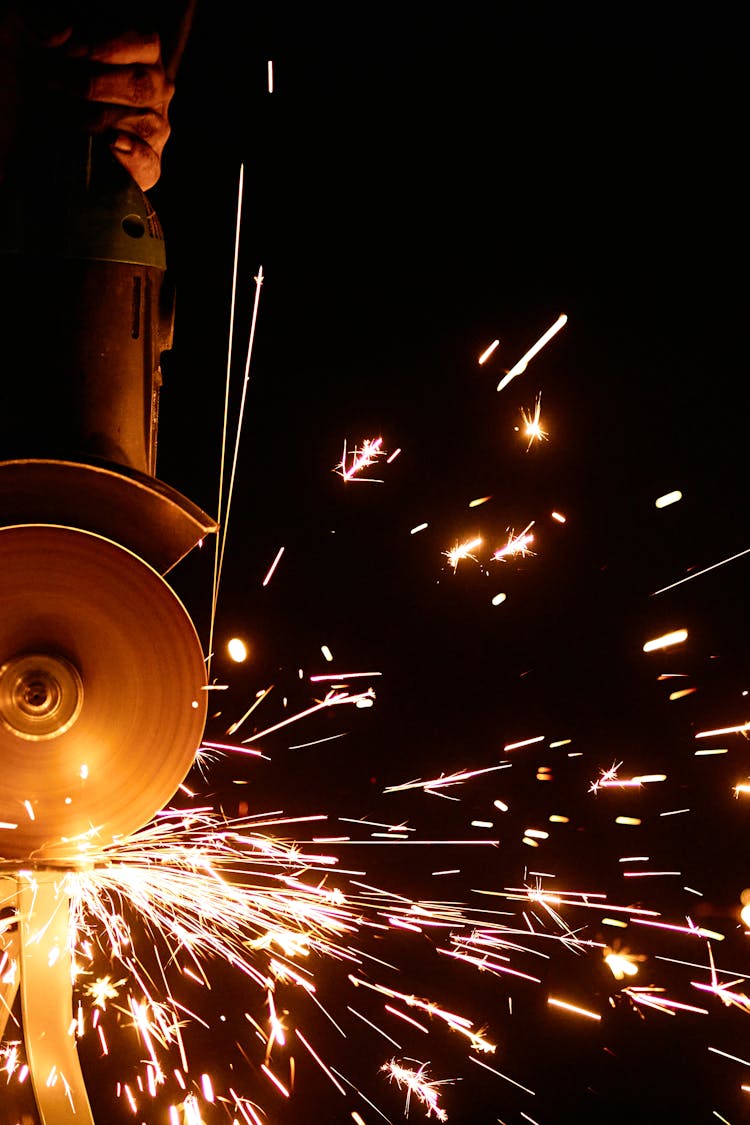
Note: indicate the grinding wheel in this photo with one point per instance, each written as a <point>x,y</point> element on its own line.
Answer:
<point>102,700</point>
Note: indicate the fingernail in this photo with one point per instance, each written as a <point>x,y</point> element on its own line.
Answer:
<point>122,143</point>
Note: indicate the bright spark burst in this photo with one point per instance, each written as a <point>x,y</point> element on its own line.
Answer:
<point>463,551</point>
<point>355,461</point>
<point>104,989</point>
<point>532,423</point>
<point>418,1083</point>
<point>517,544</point>
<point>621,963</point>
<point>608,779</point>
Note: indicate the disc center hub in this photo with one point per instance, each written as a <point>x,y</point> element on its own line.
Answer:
<point>41,695</point>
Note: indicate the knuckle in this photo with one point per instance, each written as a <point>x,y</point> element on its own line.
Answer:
<point>142,85</point>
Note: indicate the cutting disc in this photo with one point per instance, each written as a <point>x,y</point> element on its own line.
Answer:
<point>102,700</point>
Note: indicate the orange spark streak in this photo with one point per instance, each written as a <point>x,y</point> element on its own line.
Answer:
<point>676,637</point>
<point>407,1019</point>
<point>444,780</point>
<point>331,700</point>
<point>525,742</point>
<point>488,352</point>
<point>274,1079</point>
<point>573,1008</point>
<point>274,564</point>
<point>698,573</point>
<point>523,362</point>
<point>501,1075</point>
<point>319,1061</point>
<point>741,728</point>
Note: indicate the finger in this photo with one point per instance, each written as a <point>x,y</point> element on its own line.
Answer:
<point>137,85</point>
<point>122,50</point>
<point>137,158</point>
<point>149,126</point>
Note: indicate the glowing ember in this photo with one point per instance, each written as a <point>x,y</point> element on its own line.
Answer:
<point>237,650</point>
<point>676,637</point>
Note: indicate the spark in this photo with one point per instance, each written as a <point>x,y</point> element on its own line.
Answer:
<point>343,676</point>
<point>273,566</point>
<point>532,424</point>
<point>374,1027</point>
<point>274,1079</point>
<point>270,75</point>
<point>225,508</point>
<point>667,499</point>
<point>354,461</point>
<point>698,573</point>
<point>463,551</point>
<point>317,741</point>
<point>237,650</point>
<point>444,780</point>
<point>104,989</point>
<point>652,997</point>
<point>416,1082</point>
<point>676,637</point>
<point>621,964</point>
<point>524,742</point>
<point>573,1008</point>
<point>499,599</point>
<point>393,456</point>
<point>479,501</point>
<point>419,527</point>
<point>523,362</point>
<point>332,699</point>
<point>690,929</point>
<point>261,695</point>
<point>488,351</point>
<point>741,728</point>
<point>517,544</point>
<point>560,518</point>
<point>501,1075</point>
<point>457,1023</point>
<point>734,1058</point>
<point>319,1061</point>
<point>609,780</point>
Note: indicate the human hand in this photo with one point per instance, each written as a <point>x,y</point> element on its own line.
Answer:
<point>116,86</point>
<point>104,82</point>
